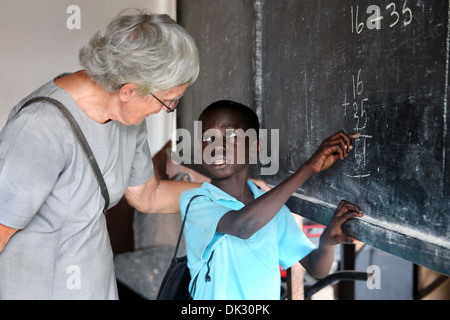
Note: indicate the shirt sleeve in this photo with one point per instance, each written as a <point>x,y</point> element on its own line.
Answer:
<point>142,168</point>
<point>201,223</point>
<point>293,243</point>
<point>31,159</point>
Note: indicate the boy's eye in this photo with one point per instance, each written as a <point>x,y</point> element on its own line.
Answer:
<point>207,138</point>
<point>230,135</point>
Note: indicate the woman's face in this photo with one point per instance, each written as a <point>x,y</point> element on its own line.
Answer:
<point>139,107</point>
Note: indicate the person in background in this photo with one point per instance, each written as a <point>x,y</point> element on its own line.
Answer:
<point>236,234</point>
<point>54,242</point>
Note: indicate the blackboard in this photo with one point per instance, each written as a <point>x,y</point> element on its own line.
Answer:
<point>375,67</point>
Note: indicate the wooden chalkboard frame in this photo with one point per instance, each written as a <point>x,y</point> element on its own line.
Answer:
<point>431,253</point>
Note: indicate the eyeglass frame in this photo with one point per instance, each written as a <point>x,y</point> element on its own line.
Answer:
<point>173,101</point>
<point>169,109</point>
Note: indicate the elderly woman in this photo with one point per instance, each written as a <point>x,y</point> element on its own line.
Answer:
<point>53,238</point>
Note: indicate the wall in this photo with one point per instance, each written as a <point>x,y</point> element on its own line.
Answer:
<point>37,45</point>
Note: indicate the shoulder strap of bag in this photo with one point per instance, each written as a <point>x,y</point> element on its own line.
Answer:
<point>81,140</point>
<point>182,225</point>
<point>207,277</point>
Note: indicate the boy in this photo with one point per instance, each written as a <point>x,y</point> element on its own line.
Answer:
<point>237,235</point>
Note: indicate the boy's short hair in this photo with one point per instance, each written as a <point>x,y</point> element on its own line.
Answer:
<point>246,114</point>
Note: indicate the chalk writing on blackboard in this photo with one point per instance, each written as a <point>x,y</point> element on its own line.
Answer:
<point>393,15</point>
<point>360,117</point>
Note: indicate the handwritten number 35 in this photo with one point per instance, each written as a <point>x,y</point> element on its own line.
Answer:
<point>405,11</point>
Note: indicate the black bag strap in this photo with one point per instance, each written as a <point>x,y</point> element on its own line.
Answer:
<point>81,140</point>
<point>207,277</point>
<point>182,225</point>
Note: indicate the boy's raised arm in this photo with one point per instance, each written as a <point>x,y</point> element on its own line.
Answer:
<point>245,222</point>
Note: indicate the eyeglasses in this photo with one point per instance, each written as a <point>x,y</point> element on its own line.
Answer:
<point>174,103</point>
<point>171,106</point>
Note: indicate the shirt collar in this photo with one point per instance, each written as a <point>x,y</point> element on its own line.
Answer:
<point>219,194</point>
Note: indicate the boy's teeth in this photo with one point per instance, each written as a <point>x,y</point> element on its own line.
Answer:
<point>221,161</point>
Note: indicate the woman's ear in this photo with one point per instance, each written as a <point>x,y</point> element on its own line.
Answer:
<point>128,91</point>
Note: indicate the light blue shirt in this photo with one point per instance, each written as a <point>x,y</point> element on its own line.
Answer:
<point>240,269</point>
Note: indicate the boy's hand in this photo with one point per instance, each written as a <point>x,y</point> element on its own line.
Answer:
<point>335,147</point>
<point>332,234</point>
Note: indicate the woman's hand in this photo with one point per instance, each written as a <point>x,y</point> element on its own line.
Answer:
<point>331,149</point>
<point>333,234</point>
<point>5,234</point>
<point>261,184</point>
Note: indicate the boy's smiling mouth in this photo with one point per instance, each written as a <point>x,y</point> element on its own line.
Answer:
<point>220,162</point>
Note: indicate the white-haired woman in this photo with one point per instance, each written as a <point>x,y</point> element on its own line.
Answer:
<point>53,238</point>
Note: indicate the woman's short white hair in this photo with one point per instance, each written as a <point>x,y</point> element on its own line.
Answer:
<point>150,50</point>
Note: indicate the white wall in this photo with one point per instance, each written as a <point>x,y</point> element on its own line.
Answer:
<point>37,45</point>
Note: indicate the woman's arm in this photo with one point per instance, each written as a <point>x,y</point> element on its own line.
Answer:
<point>158,196</point>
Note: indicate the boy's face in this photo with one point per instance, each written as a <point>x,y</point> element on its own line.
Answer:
<point>225,149</point>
